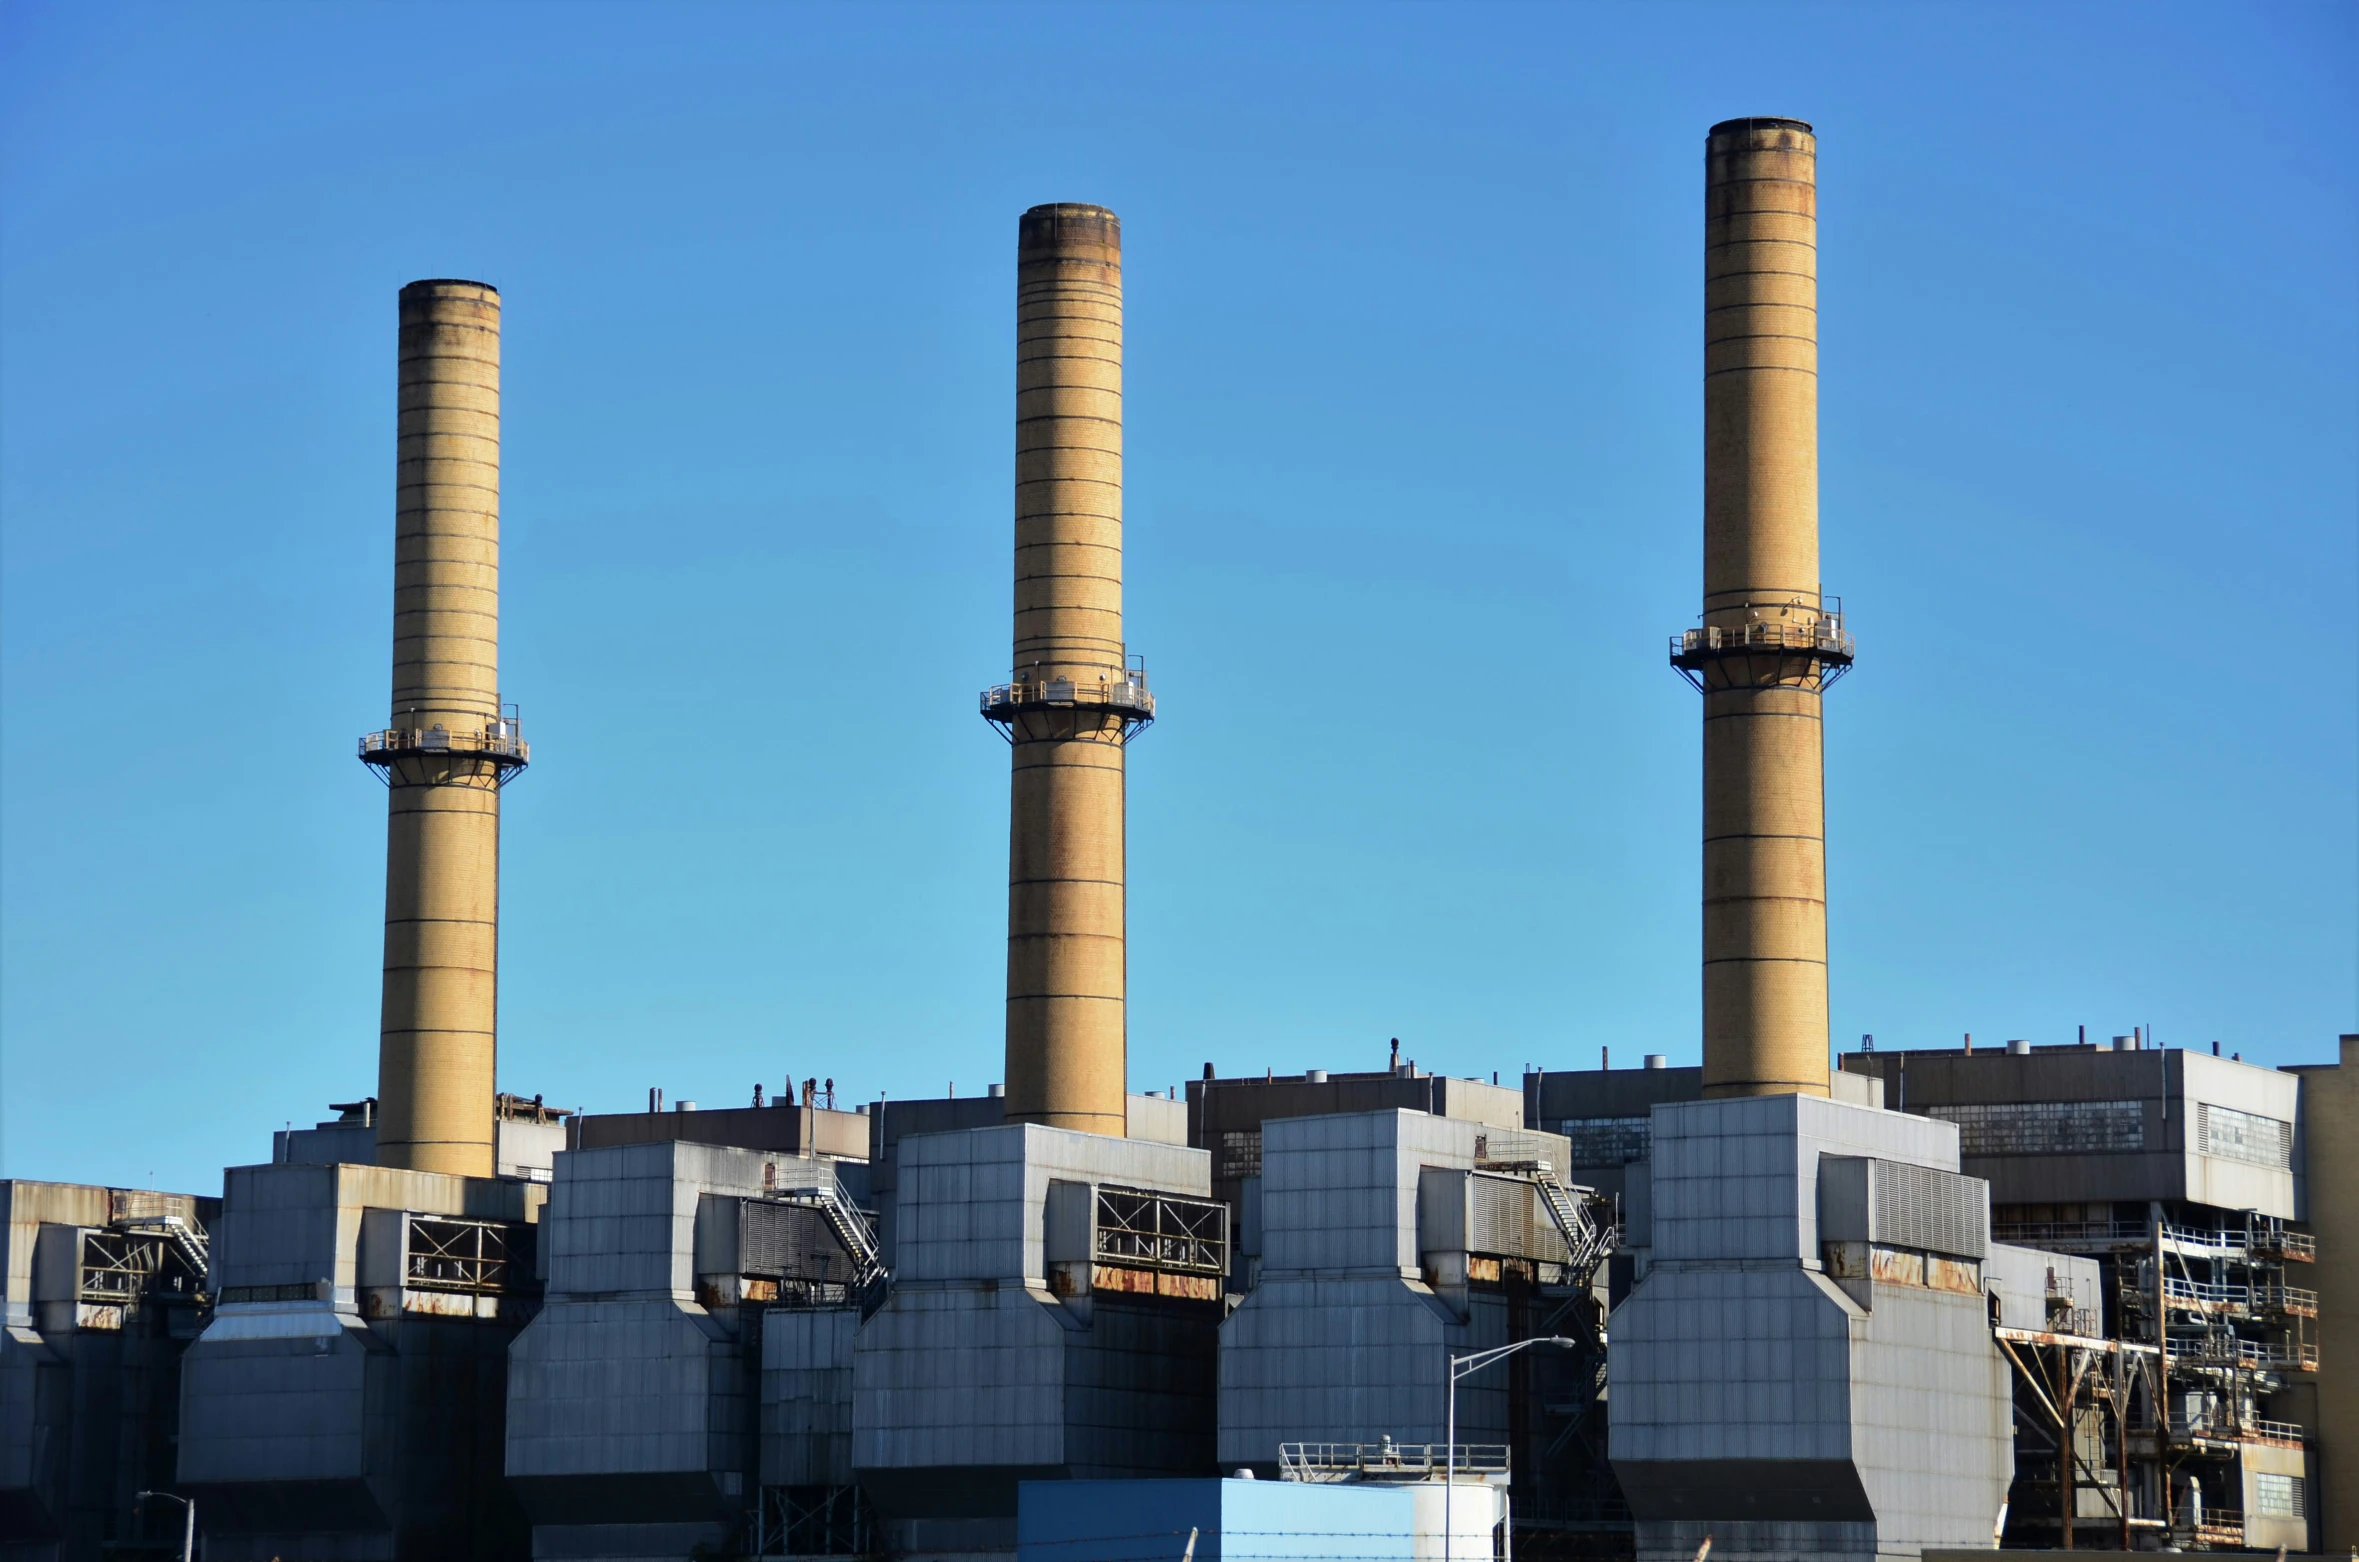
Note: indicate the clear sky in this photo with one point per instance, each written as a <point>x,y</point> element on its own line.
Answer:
<point>1413,500</point>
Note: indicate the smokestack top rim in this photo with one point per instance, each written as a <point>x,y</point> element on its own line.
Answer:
<point>422,284</point>
<point>1071,209</point>
<point>1760,122</point>
<point>1060,228</point>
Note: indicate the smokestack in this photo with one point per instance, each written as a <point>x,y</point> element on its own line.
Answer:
<point>1769,643</point>
<point>1072,699</point>
<point>450,746</point>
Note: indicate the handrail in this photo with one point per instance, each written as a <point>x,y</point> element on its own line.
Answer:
<point>2211,1526</point>
<point>2206,1292</point>
<point>2213,1349</point>
<point>1121,691</point>
<point>2034,1232</point>
<point>1388,1460</point>
<point>2286,1298</point>
<point>1127,692</point>
<point>2289,1244</point>
<point>1825,635</point>
<point>2254,1430</point>
<point>2193,1236</point>
<point>392,742</point>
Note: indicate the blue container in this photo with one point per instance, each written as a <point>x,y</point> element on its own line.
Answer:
<point>1234,1521</point>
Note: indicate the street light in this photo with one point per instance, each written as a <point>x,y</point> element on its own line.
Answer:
<point>188,1536</point>
<point>1463,1366</point>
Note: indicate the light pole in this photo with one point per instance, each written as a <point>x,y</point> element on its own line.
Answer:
<point>188,1535</point>
<point>1463,1366</point>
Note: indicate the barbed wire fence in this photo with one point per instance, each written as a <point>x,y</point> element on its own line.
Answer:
<point>1245,1545</point>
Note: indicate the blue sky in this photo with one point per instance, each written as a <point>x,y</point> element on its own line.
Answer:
<point>1413,499</point>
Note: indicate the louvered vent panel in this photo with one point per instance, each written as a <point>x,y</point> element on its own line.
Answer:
<point>789,1242</point>
<point>1502,1212</point>
<point>1935,1211</point>
<point>763,1238</point>
<point>1509,1223</point>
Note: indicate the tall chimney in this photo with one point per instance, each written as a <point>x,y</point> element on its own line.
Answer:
<point>449,746</point>
<point>1769,643</point>
<point>1072,700</point>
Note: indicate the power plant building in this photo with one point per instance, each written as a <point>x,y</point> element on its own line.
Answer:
<point>105,1287</point>
<point>1804,1365</point>
<point>677,1273</point>
<point>1775,1303</point>
<point>1055,1302</point>
<point>345,1397</point>
<point>1381,1245</point>
<point>2177,1174</point>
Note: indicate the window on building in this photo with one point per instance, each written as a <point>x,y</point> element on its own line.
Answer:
<point>2046,1127</point>
<point>2279,1497</point>
<point>1608,1141</point>
<point>2243,1136</point>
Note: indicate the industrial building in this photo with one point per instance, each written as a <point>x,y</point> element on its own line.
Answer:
<point>2094,1153</point>
<point>2176,1172</point>
<point>105,1289</point>
<point>344,1399</point>
<point>1910,1302</point>
<point>675,1270</point>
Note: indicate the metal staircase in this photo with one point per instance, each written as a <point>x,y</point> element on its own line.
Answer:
<point>1583,1218</point>
<point>1576,1494</point>
<point>851,1228</point>
<point>184,1239</point>
<point>1586,1224</point>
